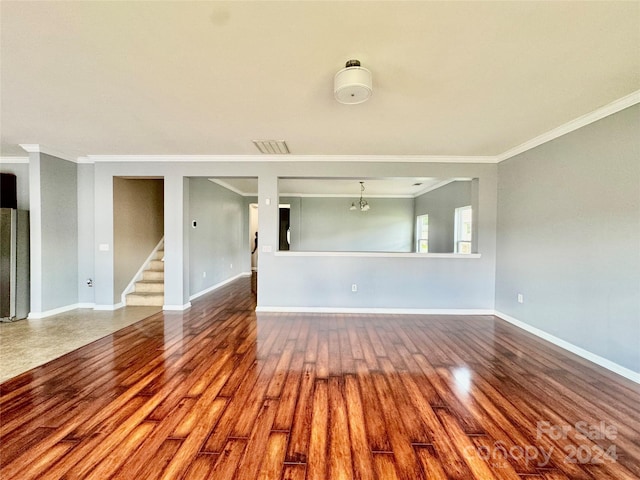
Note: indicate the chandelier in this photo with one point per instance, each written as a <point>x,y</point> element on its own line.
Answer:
<point>363,205</point>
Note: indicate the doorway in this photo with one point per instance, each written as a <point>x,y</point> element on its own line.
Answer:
<point>284,235</point>
<point>253,235</point>
<point>138,229</point>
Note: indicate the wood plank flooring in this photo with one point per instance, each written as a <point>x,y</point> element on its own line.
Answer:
<point>220,392</point>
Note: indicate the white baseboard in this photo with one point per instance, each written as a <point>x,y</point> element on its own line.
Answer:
<point>592,357</point>
<point>581,352</point>
<point>109,308</point>
<point>218,285</point>
<point>54,311</point>
<point>176,308</point>
<point>387,311</point>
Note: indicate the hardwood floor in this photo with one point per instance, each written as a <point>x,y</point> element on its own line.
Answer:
<point>218,392</point>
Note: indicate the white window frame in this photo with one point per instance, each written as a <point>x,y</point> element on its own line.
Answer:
<point>419,237</point>
<point>462,245</point>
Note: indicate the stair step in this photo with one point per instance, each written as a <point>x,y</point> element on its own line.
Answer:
<point>159,255</point>
<point>156,286</point>
<point>145,298</point>
<point>157,265</point>
<point>153,275</point>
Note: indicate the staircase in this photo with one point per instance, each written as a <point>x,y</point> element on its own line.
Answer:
<point>150,290</point>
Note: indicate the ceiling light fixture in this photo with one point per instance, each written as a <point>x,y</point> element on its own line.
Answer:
<point>352,84</point>
<point>363,205</point>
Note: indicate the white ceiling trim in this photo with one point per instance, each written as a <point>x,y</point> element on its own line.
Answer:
<point>294,158</point>
<point>7,160</point>
<point>341,195</point>
<point>602,112</point>
<point>438,185</point>
<point>30,147</point>
<point>224,184</point>
<point>37,148</point>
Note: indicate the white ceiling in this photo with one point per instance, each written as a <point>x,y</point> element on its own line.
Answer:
<point>207,78</point>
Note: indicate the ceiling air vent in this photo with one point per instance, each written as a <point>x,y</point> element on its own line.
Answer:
<point>272,147</point>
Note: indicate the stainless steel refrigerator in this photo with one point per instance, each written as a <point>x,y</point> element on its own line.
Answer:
<point>14,264</point>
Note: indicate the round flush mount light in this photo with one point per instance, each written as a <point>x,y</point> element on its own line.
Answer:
<point>352,84</point>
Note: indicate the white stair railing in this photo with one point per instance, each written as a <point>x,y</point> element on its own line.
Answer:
<point>138,276</point>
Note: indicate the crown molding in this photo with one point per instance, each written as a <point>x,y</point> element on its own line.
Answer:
<point>38,148</point>
<point>342,195</point>
<point>294,158</point>
<point>438,185</point>
<point>301,195</point>
<point>30,147</point>
<point>231,188</point>
<point>7,160</point>
<point>602,112</point>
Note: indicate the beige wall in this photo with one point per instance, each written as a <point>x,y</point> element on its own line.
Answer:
<point>138,226</point>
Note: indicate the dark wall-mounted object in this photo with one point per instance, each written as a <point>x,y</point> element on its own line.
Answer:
<point>285,222</point>
<point>8,191</point>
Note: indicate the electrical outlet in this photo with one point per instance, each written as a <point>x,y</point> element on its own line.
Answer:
<point>354,287</point>
<point>204,274</point>
<point>231,265</point>
<point>520,298</point>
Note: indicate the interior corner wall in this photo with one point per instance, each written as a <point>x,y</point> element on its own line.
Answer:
<point>219,244</point>
<point>86,233</point>
<point>568,238</point>
<point>294,280</point>
<point>440,204</point>
<point>138,226</point>
<point>54,224</point>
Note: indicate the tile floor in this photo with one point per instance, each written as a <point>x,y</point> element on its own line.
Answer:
<point>26,344</point>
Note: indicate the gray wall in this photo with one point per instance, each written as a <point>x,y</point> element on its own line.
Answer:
<point>58,231</point>
<point>298,280</point>
<point>569,238</point>
<point>441,205</point>
<point>219,245</point>
<point>85,232</point>
<point>327,224</point>
<point>21,171</point>
<point>138,226</point>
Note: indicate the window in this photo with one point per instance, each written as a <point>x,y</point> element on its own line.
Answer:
<point>422,234</point>
<point>462,238</point>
